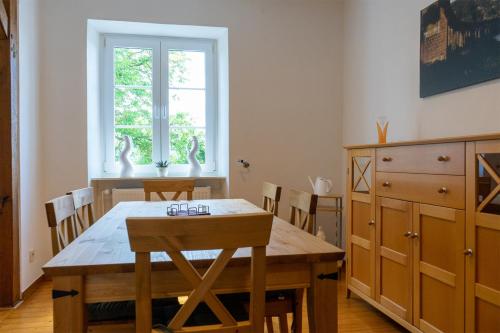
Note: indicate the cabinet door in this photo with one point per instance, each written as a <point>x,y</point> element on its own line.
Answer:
<point>361,222</point>
<point>393,256</point>
<point>438,271</point>
<point>482,306</point>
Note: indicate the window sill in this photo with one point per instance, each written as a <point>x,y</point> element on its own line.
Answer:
<point>147,176</point>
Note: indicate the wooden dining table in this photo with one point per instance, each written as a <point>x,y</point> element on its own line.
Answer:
<point>98,266</point>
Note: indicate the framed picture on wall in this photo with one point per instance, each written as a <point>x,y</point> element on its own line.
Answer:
<point>459,44</point>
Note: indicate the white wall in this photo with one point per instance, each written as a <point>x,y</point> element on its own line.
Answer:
<point>294,64</point>
<point>33,226</point>
<point>285,69</point>
<point>381,77</point>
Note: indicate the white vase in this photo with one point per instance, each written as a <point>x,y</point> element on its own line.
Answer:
<point>127,166</point>
<point>194,165</point>
<point>321,233</point>
<point>162,172</point>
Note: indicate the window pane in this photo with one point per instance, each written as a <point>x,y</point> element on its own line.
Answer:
<point>187,107</point>
<point>180,143</point>
<point>142,144</point>
<point>133,66</point>
<point>186,69</point>
<point>133,106</point>
<point>134,117</point>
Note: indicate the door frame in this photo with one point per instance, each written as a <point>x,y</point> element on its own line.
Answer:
<point>10,291</point>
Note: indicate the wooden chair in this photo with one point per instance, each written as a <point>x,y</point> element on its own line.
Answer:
<point>280,303</point>
<point>61,218</point>
<point>271,194</point>
<point>66,225</point>
<point>303,210</point>
<point>165,186</point>
<point>83,200</point>
<point>176,234</point>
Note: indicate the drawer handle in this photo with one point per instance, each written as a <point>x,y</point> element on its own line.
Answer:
<point>386,159</point>
<point>443,158</point>
<point>415,235</point>
<point>407,234</point>
<point>371,222</point>
<point>386,184</point>
<point>468,252</point>
<point>443,190</point>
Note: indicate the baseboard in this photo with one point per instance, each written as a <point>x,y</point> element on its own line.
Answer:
<point>385,311</point>
<point>34,286</point>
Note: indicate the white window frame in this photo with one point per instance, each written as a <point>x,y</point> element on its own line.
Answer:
<point>160,91</point>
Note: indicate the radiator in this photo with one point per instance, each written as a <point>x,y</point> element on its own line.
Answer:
<point>137,194</point>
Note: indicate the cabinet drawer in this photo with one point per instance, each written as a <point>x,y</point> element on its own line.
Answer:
<point>443,159</point>
<point>440,190</point>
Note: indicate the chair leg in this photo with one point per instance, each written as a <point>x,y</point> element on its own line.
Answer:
<point>297,311</point>
<point>283,323</point>
<point>269,324</point>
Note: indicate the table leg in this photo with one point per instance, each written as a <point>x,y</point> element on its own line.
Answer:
<point>69,311</point>
<point>322,298</point>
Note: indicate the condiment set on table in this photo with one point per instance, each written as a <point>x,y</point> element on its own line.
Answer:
<point>183,209</point>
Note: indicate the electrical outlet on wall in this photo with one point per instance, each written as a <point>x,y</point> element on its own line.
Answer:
<point>31,255</point>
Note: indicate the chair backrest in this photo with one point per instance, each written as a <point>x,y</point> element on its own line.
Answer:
<point>168,186</point>
<point>83,200</point>
<point>61,218</point>
<point>303,210</point>
<point>191,233</point>
<point>271,194</point>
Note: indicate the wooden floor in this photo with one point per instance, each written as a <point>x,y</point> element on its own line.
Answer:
<point>35,315</point>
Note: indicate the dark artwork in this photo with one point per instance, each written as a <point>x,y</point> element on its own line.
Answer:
<point>459,44</point>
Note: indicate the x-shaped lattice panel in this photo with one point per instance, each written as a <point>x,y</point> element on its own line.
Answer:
<point>491,171</point>
<point>362,172</point>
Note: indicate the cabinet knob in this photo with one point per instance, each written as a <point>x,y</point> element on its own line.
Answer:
<point>443,158</point>
<point>443,190</point>
<point>415,235</point>
<point>468,252</point>
<point>371,222</point>
<point>386,184</point>
<point>407,234</point>
<point>386,159</point>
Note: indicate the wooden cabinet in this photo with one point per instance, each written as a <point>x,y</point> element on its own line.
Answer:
<point>437,159</point>
<point>361,223</point>
<point>394,256</point>
<point>438,268</point>
<point>441,190</point>
<point>423,236</point>
<point>482,300</point>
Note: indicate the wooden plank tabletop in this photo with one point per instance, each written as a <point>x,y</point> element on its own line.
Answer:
<point>104,247</point>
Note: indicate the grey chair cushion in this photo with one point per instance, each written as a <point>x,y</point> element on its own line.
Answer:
<point>125,310</point>
<point>164,310</point>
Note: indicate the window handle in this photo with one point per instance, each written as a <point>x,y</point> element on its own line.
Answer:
<point>164,112</point>
<point>156,113</point>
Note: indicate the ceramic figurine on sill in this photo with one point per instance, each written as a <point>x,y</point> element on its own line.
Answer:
<point>127,166</point>
<point>194,165</point>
